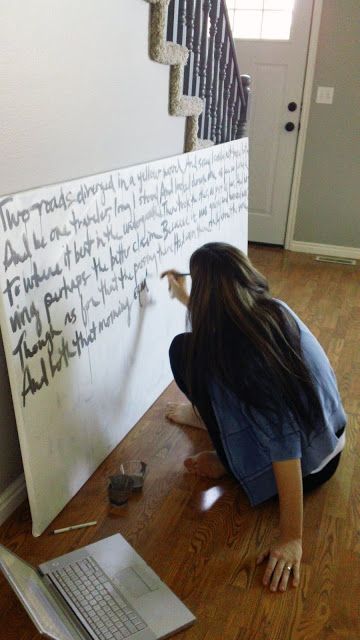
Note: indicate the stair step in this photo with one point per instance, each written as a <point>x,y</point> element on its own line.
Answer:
<point>188,106</point>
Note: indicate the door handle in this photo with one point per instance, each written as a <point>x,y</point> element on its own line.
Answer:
<point>292,106</point>
<point>289,126</point>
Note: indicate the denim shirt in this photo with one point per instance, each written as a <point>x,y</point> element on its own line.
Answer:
<point>251,446</point>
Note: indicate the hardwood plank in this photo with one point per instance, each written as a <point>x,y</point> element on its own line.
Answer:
<point>277,615</point>
<point>316,611</point>
<point>339,487</point>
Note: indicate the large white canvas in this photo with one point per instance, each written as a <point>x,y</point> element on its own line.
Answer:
<point>86,320</point>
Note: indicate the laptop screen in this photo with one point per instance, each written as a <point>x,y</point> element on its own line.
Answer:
<point>37,600</point>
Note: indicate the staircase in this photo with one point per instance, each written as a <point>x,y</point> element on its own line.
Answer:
<point>194,37</point>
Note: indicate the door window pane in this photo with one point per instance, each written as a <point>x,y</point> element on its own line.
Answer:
<point>276,25</point>
<point>278,5</point>
<point>248,4</point>
<point>247,24</point>
<point>261,19</point>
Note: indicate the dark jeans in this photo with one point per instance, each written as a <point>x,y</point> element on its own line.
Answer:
<point>314,480</point>
<point>177,354</point>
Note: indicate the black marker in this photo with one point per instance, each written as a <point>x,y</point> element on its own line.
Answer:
<point>175,274</point>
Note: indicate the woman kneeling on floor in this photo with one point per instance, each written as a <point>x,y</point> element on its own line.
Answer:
<point>260,383</point>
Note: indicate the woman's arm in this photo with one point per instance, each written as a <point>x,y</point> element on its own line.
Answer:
<point>289,484</point>
<point>287,550</point>
<point>177,286</point>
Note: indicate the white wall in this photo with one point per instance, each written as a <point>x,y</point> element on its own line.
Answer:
<point>329,197</point>
<point>79,95</point>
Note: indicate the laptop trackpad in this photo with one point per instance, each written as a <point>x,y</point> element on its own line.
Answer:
<point>132,582</point>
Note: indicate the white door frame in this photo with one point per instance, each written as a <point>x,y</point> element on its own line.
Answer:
<point>304,120</point>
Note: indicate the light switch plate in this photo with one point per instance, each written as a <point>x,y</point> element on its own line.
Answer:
<point>325,95</point>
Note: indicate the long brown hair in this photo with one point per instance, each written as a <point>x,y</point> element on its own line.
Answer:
<point>245,339</point>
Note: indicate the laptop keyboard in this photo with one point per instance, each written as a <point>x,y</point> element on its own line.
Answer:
<point>101,608</point>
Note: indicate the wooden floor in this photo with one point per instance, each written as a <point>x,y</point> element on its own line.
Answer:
<point>202,536</point>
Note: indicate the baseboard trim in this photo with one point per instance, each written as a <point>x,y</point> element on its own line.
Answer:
<point>325,249</point>
<point>12,497</point>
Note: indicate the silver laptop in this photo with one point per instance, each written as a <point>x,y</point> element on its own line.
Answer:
<point>104,591</point>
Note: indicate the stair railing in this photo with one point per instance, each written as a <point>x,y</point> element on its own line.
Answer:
<point>211,72</point>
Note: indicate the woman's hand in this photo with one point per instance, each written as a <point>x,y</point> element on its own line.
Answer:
<point>177,285</point>
<point>281,555</point>
<point>284,555</point>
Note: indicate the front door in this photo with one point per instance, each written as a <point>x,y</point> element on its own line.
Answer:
<point>271,38</point>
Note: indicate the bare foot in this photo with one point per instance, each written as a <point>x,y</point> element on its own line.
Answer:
<point>205,464</point>
<point>183,413</point>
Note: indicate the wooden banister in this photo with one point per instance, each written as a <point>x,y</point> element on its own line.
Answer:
<point>212,70</point>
